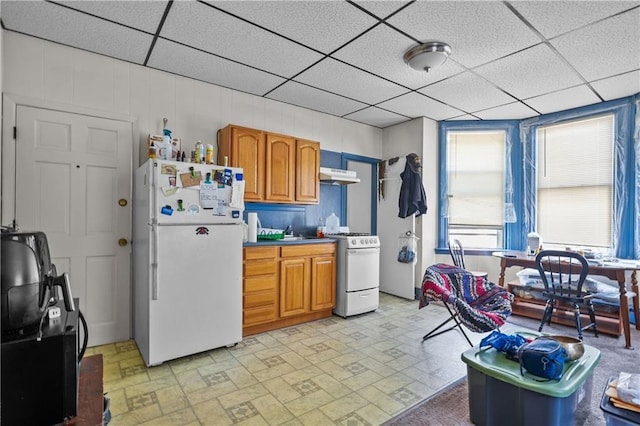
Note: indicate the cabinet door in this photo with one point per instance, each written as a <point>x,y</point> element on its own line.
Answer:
<point>294,287</point>
<point>307,170</point>
<point>323,283</point>
<point>280,168</point>
<point>248,152</point>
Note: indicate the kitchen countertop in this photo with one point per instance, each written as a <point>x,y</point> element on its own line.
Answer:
<point>287,242</point>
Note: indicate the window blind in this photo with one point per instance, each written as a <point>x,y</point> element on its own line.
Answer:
<point>575,176</point>
<point>476,162</point>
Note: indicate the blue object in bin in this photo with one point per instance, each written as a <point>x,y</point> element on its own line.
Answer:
<point>167,210</point>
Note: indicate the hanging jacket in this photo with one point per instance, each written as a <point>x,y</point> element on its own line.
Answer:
<point>413,199</point>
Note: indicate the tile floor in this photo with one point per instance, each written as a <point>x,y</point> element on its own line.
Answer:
<point>357,371</point>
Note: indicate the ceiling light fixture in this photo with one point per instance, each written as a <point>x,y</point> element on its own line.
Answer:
<point>427,55</point>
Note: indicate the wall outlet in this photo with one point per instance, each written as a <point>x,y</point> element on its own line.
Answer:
<point>54,312</point>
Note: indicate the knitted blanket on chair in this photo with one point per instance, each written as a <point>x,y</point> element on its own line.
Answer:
<point>481,305</point>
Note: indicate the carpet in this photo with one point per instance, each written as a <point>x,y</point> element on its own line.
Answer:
<point>451,405</point>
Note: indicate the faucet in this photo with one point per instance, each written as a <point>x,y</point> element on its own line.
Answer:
<point>288,230</point>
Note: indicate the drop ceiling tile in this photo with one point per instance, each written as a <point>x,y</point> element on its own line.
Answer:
<point>42,19</point>
<point>381,9</point>
<point>619,86</point>
<point>315,99</point>
<point>202,66</point>
<point>604,49</point>
<point>376,117</point>
<point>467,92</point>
<point>553,18</point>
<point>206,28</point>
<point>336,77</point>
<point>531,72</point>
<point>319,25</point>
<point>477,31</point>
<point>386,58</point>
<point>563,99</point>
<point>512,111</point>
<point>465,117</point>
<point>143,15</point>
<point>415,105</point>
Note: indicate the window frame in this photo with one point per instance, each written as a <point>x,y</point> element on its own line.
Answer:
<point>513,163</point>
<point>624,231</point>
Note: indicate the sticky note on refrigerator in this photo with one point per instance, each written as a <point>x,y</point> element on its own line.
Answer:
<point>237,194</point>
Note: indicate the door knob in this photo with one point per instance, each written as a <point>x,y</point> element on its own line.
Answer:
<point>122,242</point>
<point>122,202</point>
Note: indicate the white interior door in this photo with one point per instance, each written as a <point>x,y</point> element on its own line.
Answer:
<point>73,172</point>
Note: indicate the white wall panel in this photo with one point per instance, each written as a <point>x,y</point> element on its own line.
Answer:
<point>58,73</point>
<point>22,64</point>
<point>195,110</point>
<point>92,80</point>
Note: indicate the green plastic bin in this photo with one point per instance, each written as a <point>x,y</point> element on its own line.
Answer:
<point>500,395</point>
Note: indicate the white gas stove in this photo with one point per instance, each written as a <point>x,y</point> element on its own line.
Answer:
<point>358,273</point>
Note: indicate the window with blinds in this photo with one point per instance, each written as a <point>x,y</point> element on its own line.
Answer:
<point>476,174</point>
<point>575,178</point>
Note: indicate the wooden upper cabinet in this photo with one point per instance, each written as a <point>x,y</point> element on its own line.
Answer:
<point>280,152</point>
<point>307,171</point>
<point>277,168</point>
<point>245,148</point>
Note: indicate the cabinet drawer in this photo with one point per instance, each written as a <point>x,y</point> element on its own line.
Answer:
<point>307,250</point>
<point>269,252</point>
<point>260,268</point>
<point>260,283</point>
<point>263,298</point>
<point>260,315</point>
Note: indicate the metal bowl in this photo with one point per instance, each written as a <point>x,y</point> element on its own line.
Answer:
<point>573,346</point>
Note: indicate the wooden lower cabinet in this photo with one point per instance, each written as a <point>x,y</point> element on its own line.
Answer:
<point>260,284</point>
<point>323,283</point>
<point>287,285</point>
<point>294,287</point>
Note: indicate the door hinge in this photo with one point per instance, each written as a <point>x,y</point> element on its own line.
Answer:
<point>15,132</point>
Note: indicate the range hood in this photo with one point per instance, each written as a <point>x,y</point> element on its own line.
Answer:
<point>337,176</point>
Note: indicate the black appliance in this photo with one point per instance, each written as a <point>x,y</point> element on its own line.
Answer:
<point>39,334</point>
<point>40,378</point>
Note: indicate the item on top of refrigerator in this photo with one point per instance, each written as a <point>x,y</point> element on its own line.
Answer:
<point>168,210</point>
<point>333,224</point>
<point>199,151</point>
<point>182,158</point>
<point>209,154</point>
<point>153,150</point>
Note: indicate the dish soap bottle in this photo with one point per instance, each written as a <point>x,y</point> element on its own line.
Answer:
<point>319,230</point>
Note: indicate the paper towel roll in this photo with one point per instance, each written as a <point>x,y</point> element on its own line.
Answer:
<point>253,227</point>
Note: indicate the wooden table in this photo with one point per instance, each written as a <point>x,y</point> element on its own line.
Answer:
<point>612,270</point>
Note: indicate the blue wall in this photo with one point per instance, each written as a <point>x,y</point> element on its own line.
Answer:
<point>303,218</point>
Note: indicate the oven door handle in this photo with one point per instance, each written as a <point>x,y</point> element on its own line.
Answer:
<point>363,251</point>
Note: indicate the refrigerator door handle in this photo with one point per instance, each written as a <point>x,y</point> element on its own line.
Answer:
<point>154,262</point>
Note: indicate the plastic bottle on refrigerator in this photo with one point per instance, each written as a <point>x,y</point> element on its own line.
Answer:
<point>209,155</point>
<point>199,151</point>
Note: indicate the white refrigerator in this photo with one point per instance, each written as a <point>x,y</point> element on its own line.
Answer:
<point>187,257</point>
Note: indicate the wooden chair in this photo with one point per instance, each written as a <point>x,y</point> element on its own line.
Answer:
<point>457,256</point>
<point>563,274</point>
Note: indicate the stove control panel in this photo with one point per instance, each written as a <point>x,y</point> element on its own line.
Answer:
<point>363,241</point>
